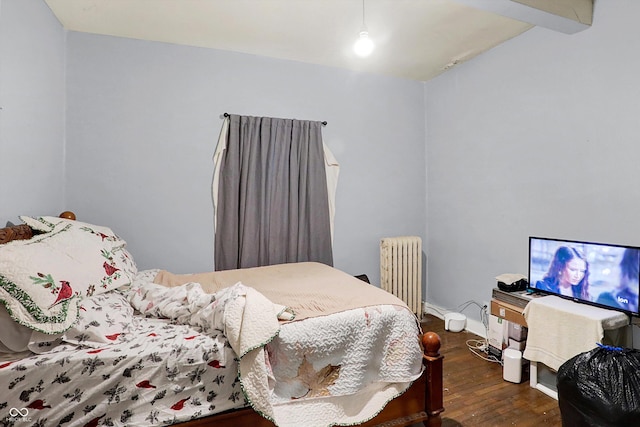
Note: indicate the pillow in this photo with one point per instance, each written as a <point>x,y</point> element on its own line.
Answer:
<point>43,279</point>
<point>14,338</point>
<point>104,319</point>
<point>40,343</point>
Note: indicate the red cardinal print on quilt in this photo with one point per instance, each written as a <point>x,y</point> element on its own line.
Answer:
<point>179,404</point>
<point>94,422</point>
<point>215,364</point>
<point>38,404</point>
<point>65,293</point>
<point>145,384</point>
<point>109,269</point>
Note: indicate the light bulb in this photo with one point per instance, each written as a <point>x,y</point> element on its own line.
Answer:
<point>364,45</point>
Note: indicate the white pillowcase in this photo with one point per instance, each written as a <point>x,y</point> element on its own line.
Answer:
<point>104,319</point>
<point>43,279</point>
<point>14,338</point>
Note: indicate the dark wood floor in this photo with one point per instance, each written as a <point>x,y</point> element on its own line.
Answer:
<point>475,393</point>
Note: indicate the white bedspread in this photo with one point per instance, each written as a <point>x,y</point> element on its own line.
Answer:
<point>299,373</point>
<point>560,329</point>
<point>342,369</point>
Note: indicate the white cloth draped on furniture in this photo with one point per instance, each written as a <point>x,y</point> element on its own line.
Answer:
<point>560,329</point>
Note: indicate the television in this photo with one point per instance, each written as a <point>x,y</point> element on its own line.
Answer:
<point>604,275</point>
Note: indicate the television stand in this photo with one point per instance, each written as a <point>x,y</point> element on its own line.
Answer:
<point>560,329</point>
<point>510,305</point>
<point>543,378</point>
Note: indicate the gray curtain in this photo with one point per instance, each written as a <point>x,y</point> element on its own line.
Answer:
<point>272,196</point>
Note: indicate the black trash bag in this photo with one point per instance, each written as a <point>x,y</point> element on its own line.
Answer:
<point>600,388</point>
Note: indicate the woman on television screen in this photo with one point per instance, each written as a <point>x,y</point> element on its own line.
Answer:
<point>625,295</point>
<point>568,274</point>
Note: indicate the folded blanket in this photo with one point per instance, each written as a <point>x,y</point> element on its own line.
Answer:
<point>560,329</point>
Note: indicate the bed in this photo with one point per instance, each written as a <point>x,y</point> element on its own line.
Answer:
<point>299,344</point>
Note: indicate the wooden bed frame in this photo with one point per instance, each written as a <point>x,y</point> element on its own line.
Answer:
<point>422,402</point>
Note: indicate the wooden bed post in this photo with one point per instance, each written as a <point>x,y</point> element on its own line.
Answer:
<point>432,361</point>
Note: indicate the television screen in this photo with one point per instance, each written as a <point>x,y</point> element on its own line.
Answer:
<point>604,275</point>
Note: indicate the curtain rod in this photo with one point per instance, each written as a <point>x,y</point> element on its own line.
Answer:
<point>227,115</point>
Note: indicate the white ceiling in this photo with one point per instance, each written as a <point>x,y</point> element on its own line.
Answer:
<point>415,39</point>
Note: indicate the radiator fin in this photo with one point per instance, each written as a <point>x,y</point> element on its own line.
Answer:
<point>401,269</point>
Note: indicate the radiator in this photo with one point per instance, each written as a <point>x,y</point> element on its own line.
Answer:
<point>401,269</point>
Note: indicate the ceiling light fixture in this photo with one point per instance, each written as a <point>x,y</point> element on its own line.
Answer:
<point>364,45</point>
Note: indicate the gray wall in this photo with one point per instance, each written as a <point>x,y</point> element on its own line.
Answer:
<point>535,137</point>
<point>31,110</point>
<point>143,120</point>
<point>538,136</point>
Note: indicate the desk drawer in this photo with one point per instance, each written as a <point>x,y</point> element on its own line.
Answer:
<point>508,312</point>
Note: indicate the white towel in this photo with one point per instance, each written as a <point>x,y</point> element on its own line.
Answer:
<point>560,329</point>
